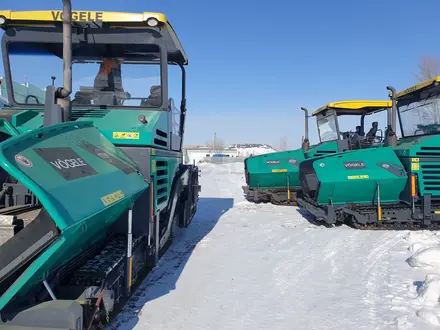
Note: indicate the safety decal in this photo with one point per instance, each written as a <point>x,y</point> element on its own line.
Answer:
<point>280,170</point>
<point>126,135</point>
<point>23,160</point>
<point>415,166</point>
<point>357,177</point>
<point>112,198</point>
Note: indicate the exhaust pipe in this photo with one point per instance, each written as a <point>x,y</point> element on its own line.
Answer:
<point>57,108</point>
<point>67,49</point>
<point>66,90</point>
<point>392,137</point>
<point>305,143</point>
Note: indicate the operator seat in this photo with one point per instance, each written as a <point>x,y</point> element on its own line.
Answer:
<point>155,98</point>
<point>373,130</point>
<point>371,135</point>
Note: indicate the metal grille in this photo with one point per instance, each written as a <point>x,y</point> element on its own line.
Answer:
<point>430,169</point>
<point>430,177</point>
<point>94,113</point>
<point>162,181</point>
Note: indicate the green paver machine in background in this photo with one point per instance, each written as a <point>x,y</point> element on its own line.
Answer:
<point>94,188</point>
<point>397,186</point>
<point>274,177</point>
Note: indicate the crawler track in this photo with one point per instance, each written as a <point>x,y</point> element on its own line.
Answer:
<point>390,224</point>
<point>284,203</point>
<point>383,226</point>
<point>270,196</point>
<point>395,226</point>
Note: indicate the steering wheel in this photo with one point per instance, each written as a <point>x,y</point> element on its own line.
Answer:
<point>353,139</point>
<point>29,96</point>
<point>351,135</point>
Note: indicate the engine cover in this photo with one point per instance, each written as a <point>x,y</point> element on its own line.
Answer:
<point>353,176</point>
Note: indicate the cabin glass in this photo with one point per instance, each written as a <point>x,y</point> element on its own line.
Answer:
<point>420,113</point>
<point>327,127</point>
<point>175,92</point>
<point>103,75</point>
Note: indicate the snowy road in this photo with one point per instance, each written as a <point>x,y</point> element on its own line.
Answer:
<point>246,266</point>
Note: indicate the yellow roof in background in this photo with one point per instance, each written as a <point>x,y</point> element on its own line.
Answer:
<point>46,16</point>
<point>365,105</point>
<point>418,87</point>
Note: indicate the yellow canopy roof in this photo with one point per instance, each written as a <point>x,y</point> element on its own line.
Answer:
<point>358,106</point>
<point>418,87</point>
<point>99,19</point>
<point>30,18</point>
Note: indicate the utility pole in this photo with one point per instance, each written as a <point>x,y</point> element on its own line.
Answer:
<point>215,142</point>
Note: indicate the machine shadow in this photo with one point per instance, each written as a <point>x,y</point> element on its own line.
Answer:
<point>311,219</point>
<point>162,279</point>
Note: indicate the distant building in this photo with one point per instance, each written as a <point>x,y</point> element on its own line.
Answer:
<point>197,154</point>
<point>200,153</point>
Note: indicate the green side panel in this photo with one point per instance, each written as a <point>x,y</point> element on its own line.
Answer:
<point>163,170</point>
<point>322,149</point>
<point>126,121</point>
<point>22,91</point>
<point>28,120</point>
<point>23,119</point>
<point>17,121</point>
<point>421,156</point>
<point>273,170</point>
<point>408,147</point>
<point>84,183</point>
<point>111,123</point>
<point>352,177</point>
<point>7,128</point>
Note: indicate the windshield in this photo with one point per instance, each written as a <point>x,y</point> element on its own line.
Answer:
<point>103,75</point>
<point>420,117</point>
<point>327,128</point>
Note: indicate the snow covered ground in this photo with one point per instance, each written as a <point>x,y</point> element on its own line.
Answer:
<point>246,266</point>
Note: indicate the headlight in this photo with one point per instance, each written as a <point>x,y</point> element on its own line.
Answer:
<point>142,119</point>
<point>152,22</point>
<point>2,20</point>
